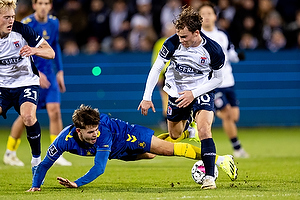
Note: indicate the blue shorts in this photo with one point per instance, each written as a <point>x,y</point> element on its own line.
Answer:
<point>224,96</point>
<point>50,95</point>
<point>137,140</point>
<point>203,102</point>
<point>15,97</point>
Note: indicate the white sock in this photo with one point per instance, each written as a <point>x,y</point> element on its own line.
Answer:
<point>9,152</point>
<point>35,161</point>
<point>209,177</point>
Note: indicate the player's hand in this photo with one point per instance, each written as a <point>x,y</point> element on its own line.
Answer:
<point>144,106</point>
<point>33,189</point>
<point>27,51</point>
<point>185,99</point>
<point>44,83</point>
<point>60,81</point>
<point>65,182</point>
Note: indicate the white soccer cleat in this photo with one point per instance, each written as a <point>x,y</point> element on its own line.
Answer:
<point>241,153</point>
<point>209,183</point>
<point>63,162</point>
<point>228,166</point>
<point>13,160</point>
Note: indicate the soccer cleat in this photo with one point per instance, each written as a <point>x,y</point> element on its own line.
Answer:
<point>193,132</point>
<point>208,183</point>
<point>63,162</point>
<point>13,160</point>
<point>228,166</point>
<point>241,153</point>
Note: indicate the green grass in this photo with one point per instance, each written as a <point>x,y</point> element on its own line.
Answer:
<point>272,172</point>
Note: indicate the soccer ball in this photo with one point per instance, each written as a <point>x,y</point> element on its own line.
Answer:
<point>198,172</point>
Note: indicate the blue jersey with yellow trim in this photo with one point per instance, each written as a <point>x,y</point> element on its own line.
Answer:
<point>49,31</point>
<point>116,140</point>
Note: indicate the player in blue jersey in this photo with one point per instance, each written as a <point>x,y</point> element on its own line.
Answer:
<point>226,103</point>
<point>194,72</point>
<point>51,81</point>
<point>19,79</point>
<point>95,134</point>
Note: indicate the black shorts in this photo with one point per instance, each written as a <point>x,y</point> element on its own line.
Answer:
<point>203,102</point>
<point>225,96</point>
<point>15,97</point>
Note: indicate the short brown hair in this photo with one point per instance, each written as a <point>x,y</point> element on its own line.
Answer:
<point>188,18</point>
<point>85,116</point>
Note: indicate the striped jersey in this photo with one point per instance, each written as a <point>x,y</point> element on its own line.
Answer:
<point>189,67</point>
<point>230,54</point>
<point>15,70</point>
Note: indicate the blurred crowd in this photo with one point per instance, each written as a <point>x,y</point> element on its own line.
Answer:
<point>93,26</point>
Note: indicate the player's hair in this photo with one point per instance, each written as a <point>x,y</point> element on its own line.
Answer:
<point>85,116</point>
<point>34,1</point>
<point>188,18</point>
<point>8,4</point>
<point>209,4</point>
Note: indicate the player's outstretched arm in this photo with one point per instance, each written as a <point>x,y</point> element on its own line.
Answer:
<point>33,189</point>
<point>65,182</point>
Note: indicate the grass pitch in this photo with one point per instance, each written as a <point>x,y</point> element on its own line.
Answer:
<point>272,172</point>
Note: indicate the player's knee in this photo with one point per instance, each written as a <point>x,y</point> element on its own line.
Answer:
<point>54,115</point>
<point>145,156</point>
<point>151,156</point>
<point>174,135</point>
<point>28,119</point>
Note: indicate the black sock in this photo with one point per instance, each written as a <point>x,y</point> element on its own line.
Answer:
<point>34,138</point>
<point>235,143</point>
<point>208,154</point>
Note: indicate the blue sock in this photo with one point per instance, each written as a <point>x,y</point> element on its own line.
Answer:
<point>208,154</point>
<point>34,139</point>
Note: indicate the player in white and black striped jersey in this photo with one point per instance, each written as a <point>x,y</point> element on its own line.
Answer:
<point>19,79</point>
<point>194,72</point>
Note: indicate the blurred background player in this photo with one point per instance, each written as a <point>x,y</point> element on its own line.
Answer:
<point>226,103</point>
<point>51,84</point>
<point>19,80</point>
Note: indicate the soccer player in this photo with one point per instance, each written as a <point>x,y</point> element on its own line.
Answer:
<point>19,78</point>
<point>95,134</point>
<point>194,72</point>
<point>226,103</point>
<point>51,84</point>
